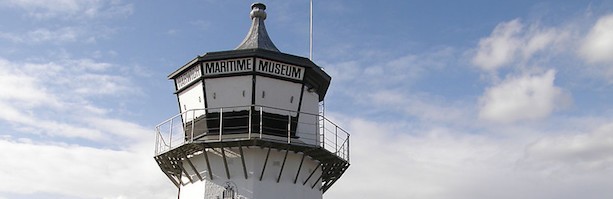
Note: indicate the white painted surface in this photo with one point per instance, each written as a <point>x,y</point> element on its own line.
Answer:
<point>252,187</point>
<point>193,191</point>
<point>307,122</point>
<point>228,92</point>
<point>277,93</point>
<point>192,98</point>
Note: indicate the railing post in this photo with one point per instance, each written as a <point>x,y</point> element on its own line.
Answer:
<point>289,127</point>
<point>319,131</point>
<point>220,123</point>
<point>250,115</point>
<point>261,119</point>
<point>348,147</point>
<point>323,132</point>
<point>157,139</point>
<point>193,124</point>
<point>336,139</point>
<point>170,136</point>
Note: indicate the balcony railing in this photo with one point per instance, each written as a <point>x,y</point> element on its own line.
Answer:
<point>248,123</point>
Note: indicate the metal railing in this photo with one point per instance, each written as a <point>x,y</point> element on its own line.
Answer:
<point>251,122</point>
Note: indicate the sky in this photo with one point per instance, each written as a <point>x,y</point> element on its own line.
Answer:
<point>443,99</point>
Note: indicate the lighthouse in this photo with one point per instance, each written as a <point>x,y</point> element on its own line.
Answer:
<point>249,125</point>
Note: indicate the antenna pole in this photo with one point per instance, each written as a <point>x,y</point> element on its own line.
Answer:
<point>311,31</point>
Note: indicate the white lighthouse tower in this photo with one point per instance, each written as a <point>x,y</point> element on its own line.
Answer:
<point>249,125</point>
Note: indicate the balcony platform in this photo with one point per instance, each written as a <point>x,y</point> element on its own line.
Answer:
<point>333,166</point>
<point>186,135</point>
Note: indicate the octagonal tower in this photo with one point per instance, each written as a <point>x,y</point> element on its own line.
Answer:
<point>249,125</point>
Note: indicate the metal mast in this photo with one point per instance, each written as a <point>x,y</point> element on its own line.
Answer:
<point>311,31</point>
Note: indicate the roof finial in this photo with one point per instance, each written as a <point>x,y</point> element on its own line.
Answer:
<point>257,10</point>
<point>257,36</point>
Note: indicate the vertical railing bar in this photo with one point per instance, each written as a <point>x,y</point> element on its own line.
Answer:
<point>193,124</point>
<point>220,123</point>
<point>316,130</point>
<point>323,131</point>
<point>157,139</point>
<point>250,115</point>
<point>348,147</point>
<point>170,136</point>
<point>289,126</point>
<point>261,119</point>
<point>336,139</point>
<point>161,141</point>
<point>319,133</point>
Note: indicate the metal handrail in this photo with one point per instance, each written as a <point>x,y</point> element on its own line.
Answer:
<point>319,132</point>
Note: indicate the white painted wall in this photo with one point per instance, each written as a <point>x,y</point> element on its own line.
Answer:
<point>191,98</point>
<point>195,190</point>
<point>307,123</point>
<point>228,92</point>
<point>252,187</point>
<point>277,93</point>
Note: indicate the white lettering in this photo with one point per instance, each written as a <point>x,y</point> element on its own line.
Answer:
<point>188,77</point>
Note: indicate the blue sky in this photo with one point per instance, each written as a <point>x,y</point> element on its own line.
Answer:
<point>443,99</point>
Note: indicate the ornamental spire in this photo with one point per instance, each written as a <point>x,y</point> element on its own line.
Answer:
<point>257,36</point>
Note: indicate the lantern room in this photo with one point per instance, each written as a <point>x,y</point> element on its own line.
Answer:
<point>283,91</point>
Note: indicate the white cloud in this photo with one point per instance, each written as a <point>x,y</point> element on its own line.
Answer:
<point>97,84</point>
<point>30,122</point>
<point>82,172</point>
<point>512,43</point>
<point>118,127</point>
<point>70,34</point>
<point>573,153</point>
<point>61,35</point>
<point>52,99</point>
<point>392,73</point>
<point>597,47</point>
<point>84,77</point>
<point>53,121</point>
<point>23,87</point>
<point>424,107</point>
<point>396,160</point>
<point>499,48</point>
<point>389,85</point>
<point>540,39</point>
<point>71,8</point>
<point>528,97</point>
